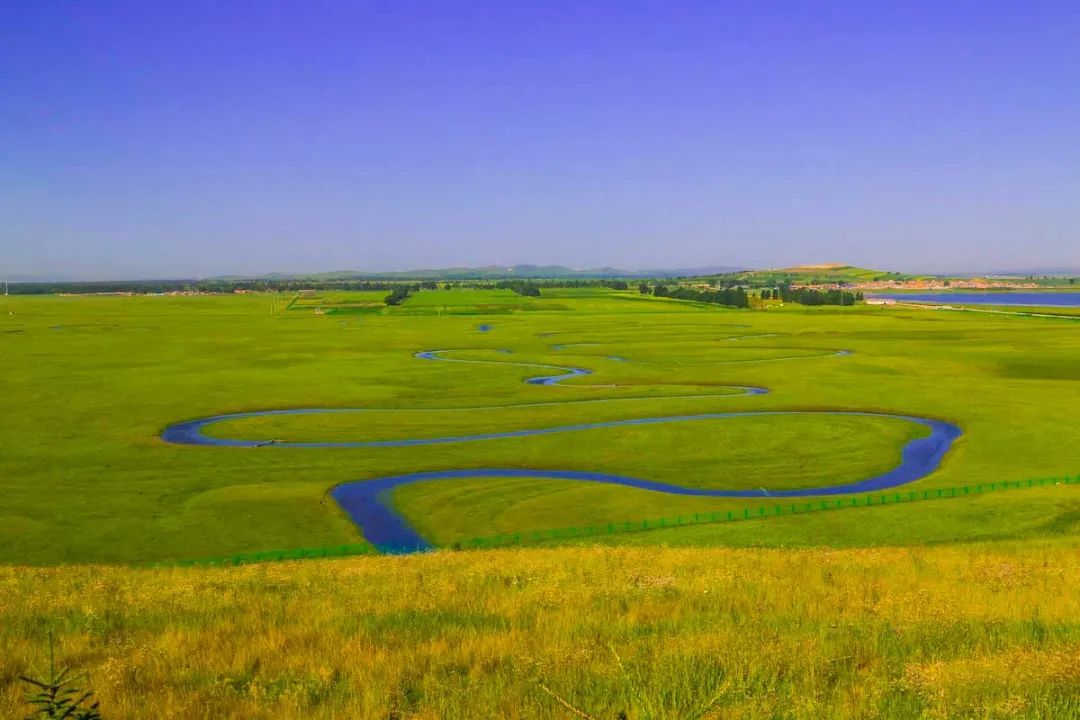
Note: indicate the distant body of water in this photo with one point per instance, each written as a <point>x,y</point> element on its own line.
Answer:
<point>1051,299</point>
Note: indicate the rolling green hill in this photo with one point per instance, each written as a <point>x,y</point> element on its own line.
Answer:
<point>820,274</point>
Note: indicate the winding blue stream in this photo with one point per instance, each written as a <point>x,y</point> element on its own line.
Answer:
<point>369,504</point>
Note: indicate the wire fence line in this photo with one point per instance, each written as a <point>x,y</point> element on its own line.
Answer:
<point>761,512</point>
<point>619,528</point>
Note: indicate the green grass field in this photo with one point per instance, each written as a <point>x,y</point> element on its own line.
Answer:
<point>91,381</point>
<point>475,302</point>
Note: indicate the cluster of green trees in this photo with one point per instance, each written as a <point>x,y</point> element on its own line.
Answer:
<point>739,297</point>
<point>808,296</point>
<point>734,297</point>
<point>399,293</point>
<point>521,287</point>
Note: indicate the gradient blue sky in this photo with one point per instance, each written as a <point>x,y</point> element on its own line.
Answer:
<point>200,138</point>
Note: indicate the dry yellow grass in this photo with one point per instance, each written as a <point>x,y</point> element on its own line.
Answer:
<point>970,631</point>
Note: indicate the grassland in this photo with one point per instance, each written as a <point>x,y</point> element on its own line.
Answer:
<point>330,302</point>
<point>649,632</point>
<point>91,382</point>
<point>475,302</point>
<point>953,608</point>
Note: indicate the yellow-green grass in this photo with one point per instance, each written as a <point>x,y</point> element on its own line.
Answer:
<point>979,631</point>
<point>446,298</point>
<point>460,301</point>
<point>339,302</point>
<point>90,382</point>
<point>340,297</point>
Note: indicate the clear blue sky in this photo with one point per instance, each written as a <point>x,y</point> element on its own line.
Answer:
<point>200,138</point>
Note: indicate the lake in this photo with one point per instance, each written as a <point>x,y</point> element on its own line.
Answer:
<point>1057,299</point>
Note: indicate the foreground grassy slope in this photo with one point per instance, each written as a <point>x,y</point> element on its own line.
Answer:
<point>90,382</point>
<point>981,631</point>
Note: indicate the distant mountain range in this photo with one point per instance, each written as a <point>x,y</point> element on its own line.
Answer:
<point>492,272</point>
<point>836,272</point>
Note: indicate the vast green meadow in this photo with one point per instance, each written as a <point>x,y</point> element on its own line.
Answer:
<point>90,382</point>
<point>961,606</point>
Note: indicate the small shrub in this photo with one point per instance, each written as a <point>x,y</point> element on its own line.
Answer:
<point>58,695</point>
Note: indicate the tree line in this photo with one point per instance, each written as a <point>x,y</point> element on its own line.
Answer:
<point>521,287</point>
<point>810,296</point>
<point>152,287</point>
<point>733,297</point>
<point>399,294</point>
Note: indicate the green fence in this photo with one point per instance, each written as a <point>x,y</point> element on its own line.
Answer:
<point>615,528</point>
<point>724,516</point>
